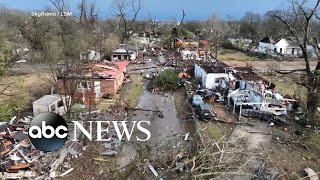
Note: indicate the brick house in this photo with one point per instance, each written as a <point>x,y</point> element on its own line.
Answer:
<point>103,80</point>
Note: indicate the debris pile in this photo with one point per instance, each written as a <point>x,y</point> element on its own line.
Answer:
<point>19,159</point>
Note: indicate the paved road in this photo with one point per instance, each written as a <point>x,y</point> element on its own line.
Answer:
<point>162,129</point>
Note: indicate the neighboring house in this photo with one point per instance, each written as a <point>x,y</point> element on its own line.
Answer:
<point>266,46</point>
<point>283,46</point>
<point>211,77</point>
<point>239,41</point>
<point>123,52</point>
<point>186,43</point>
<point>50,103</point>
<point>286,46</point>
<point>90,55</point>
<point>103,80</point>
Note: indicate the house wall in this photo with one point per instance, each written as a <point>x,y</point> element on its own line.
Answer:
<point>93,55</point>
<point>282,44</point>
<point>215,79</point>
<point>80,96</point>
<point>200,73</point>
<point>265,47</point>
<point>106,87</point>
<point>133,56</point>
<point>83,97</point>
<point>311,51</point>
<point>111,86</point>
<point>38,109</point>
<point>209,80</point>
<point>293,51</point>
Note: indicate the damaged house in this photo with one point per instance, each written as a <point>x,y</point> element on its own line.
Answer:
<point>253,96</point>
<point>98,80</point>
<point>124,52</point>
<point>50,103</point>
<point>247,93</point>
<point>212,76</point>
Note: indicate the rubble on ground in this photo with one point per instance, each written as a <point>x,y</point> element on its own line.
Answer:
<point>20,159</point>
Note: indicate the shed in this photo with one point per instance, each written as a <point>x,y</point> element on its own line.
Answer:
<point>49,103</point>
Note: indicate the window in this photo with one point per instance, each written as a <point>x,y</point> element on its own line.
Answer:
<point>53,108</point>
<point>216,80</point>
<point>60,103</point>
<point>292,52</point>
<point>84,85</point>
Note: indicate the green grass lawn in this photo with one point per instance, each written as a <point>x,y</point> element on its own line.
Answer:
<point>136,90</point>
<point>235,55</point>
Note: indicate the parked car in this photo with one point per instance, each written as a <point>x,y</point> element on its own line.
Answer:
<point>203,111</point>
<point>204,93</point>
<point>196,99</point>
<point>201,92</point>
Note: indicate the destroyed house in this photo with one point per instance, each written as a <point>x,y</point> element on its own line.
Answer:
<point>50,103</point>
<point>247,79</point>
<point>101,80</point>
<point>254,94</point>
<point>212,76</point>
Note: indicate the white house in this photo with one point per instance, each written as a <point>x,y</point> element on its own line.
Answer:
<point>50,103</point>
<point>287,47</point>
<point>210,79</point>
<point>90,55</point>
<point>283,46</point>
<point>123,52</point>
<point>265,46</point>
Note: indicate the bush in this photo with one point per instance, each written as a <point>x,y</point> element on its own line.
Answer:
<point>6,112</point>
<point>167,80</point>
<point>226,44</point>
<point>223,52</point>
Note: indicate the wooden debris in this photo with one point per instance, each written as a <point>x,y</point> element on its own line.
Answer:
<point>187,136</point>
<point>67,172</point>
<point>154,172</point>
<point>109,153</point>
<point>311,174</point>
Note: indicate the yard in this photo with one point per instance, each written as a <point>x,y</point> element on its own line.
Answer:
<point>21,92</point>
<point>227,54</point>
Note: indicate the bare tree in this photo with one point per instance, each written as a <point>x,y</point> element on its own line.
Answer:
<point>251,25</point>
<point>299,20</point>
<point>217,31</point>
<point>176,31</point>
<point>59,4</point>
<point>127,11</point>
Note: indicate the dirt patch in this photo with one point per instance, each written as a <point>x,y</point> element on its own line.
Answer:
<point>223,114</point>
<point>256,135</point>
<point>86,167</point>
<point>292,158</point>
<point>265,65</point>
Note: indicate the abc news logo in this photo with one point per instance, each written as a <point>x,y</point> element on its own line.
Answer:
<point>49,131</point>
